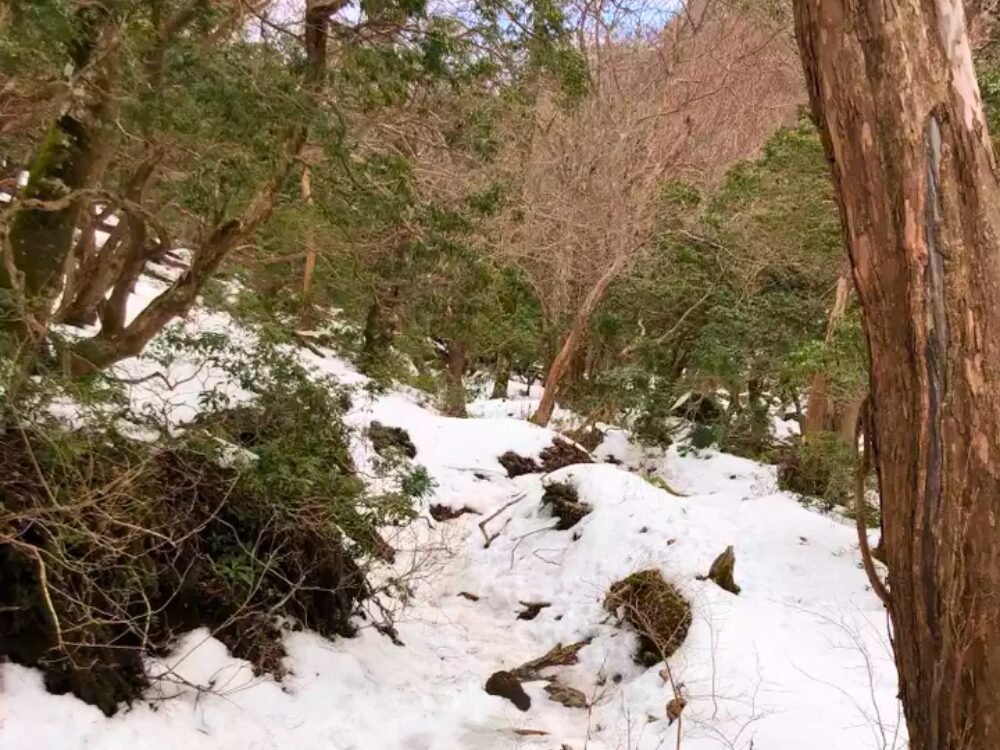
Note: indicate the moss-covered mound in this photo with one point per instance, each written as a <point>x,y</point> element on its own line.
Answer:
<point>655,609</point>
<point>564,502</point>
<point>386,440</point>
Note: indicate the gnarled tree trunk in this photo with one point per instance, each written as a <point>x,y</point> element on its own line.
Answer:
<point>68,160</point>
<point>110,345</point>
<point>894,90</point>
<point>572,341</point>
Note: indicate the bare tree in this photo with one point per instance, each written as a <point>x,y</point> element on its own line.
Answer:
<point>590,173</point>
<point>894,90</point>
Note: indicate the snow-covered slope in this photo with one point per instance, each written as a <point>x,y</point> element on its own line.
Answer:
<point>799,659</point>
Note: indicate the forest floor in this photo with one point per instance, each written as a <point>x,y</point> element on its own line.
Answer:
<point>800,658</point>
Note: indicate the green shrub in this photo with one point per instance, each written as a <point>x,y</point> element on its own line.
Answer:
<point>821,466</point>
<point>651,427</point>
<point>703,436</point>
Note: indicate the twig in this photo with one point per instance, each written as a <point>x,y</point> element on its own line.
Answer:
<point>525,536</point>
<point>482,524</point>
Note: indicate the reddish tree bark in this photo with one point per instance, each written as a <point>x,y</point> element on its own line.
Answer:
<point>305,313</point>
<point>570,345</point>
<point>894,91</point>
<point>821,409</point>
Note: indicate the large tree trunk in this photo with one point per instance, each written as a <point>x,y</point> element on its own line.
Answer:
<point>821,409</point>
<point>114,344</point>
<point>117,264</point>
<point>847,418</point>
<point>557,369</point>
<point>894,90</point>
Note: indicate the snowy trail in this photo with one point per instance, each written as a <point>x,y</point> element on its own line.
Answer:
<point>800,656</point>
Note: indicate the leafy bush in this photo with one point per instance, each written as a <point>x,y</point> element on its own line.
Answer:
<point>703,436</point>
<point>821,466</point>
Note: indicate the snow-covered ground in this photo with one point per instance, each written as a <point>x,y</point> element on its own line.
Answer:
<point>799,659</point>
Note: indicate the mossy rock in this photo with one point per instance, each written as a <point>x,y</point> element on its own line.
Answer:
<point>655,609</point>
<point>564,502</point>
<point>387,440</point>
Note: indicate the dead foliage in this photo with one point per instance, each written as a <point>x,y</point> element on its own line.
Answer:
<point>655,609</point>
<point>557,656</point>
<point>109,549</point>
<point>564,502</point>
<point>531,610</point>
<point>517,465</point>
<point>444,513</point>
<point>560,454</point>
<point>563,453</point>
<point>589,437</point>
<point>386,439</point>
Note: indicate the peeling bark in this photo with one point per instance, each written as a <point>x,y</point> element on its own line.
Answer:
<point>310,243</point>
<point>894,91</point>
<point>572,342</point>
